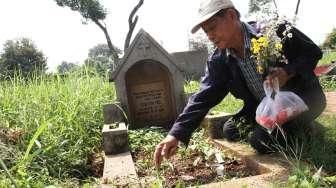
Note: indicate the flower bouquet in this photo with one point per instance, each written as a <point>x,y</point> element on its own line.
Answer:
<point>266,50</point>
<point>278,107</point>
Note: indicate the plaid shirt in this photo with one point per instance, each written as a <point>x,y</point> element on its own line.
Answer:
<point>247,65</point>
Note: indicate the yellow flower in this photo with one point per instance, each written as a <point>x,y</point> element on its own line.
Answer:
<point>261,39</point>
<point>255,46</point>
<point>278,46</point>
<point>260,69</point>
<point>266,50</point>
<point>263,42</point>
<point>256,50</point>
<point>253,40</point>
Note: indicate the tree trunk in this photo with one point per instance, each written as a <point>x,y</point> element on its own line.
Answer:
<point>297,7</point>
<point>108,39</point>
<point>132,23</point>
<point>296,11</point>
<point>276,8</point>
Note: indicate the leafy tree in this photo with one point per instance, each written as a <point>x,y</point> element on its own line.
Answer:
<point>330,41</point>
<point>259,5</point>
<point>94,11</point>
<point>265,7</point>
<point>200,42</point>
<point>100,58</point>
<point>101,50</point>
<point>22,56</point>
<point>66,67</point>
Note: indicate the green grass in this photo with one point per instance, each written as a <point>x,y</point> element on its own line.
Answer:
<point>229,104</point>
<point>321,149</point>
<point>327,58</point>
<point>328,83</point>
<point>57,123</point>
<point>49,126</point>
<point>317,153</point>
<point>191,86</point>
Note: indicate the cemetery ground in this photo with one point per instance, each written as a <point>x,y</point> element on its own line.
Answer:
<point>50,134</point>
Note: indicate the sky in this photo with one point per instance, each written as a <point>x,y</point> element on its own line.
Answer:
<point>59,33</point>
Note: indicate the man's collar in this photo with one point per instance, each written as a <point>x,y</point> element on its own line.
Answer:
<point>251,30</point>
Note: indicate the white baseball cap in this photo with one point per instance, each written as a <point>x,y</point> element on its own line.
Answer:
<point>207,9</point>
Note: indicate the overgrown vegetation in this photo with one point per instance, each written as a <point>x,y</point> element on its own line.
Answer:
<point>310,156</point>
<point>328,83</point>
<point>327,58</point>
<point>321,148</point>
<point>330,41</point>
<point>50,126</point>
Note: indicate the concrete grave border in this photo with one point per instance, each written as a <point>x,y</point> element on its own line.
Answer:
<point>271,168</point>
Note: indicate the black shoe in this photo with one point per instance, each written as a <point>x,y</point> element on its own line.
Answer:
<point>230,130</point>
<point>261,141</point>
<point>216,131</point>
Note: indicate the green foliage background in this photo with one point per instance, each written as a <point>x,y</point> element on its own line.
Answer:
<point>21,55</point>
<point>330,41</point>
<point>69,110</point>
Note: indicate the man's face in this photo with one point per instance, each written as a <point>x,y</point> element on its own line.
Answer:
<point>220,30</point>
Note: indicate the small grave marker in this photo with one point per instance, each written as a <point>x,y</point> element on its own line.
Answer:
<point>115,140</point>
<point>149,84</point>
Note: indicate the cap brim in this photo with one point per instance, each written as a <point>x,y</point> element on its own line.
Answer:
<point>200,20</point>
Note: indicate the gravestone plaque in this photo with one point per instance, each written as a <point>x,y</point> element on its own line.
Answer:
<point>149,85</point>
<point>149,94</point>
<point>150,102</point>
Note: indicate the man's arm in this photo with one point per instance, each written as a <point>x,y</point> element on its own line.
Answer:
<point>301,52</point>
<point>213,90</point>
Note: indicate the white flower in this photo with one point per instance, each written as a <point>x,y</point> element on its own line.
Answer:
<point>289,35</point>
<point>284,33</point>
<point>317,175</point>
<point>288,27</point>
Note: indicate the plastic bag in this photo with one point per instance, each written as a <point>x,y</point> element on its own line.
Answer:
<point>278,107</point>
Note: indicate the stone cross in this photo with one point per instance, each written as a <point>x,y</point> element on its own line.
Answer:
<point>144,46</point>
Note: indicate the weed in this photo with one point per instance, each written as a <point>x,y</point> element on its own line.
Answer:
<point>60,119</point>
<point>157,183</point>
<point>307,151</point>
<point>145,139</point>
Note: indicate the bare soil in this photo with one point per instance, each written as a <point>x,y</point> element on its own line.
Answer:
<point>183,169</point>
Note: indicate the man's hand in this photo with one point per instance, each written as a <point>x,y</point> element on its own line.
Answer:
<point>166,148</point>
<point>280,73</point>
